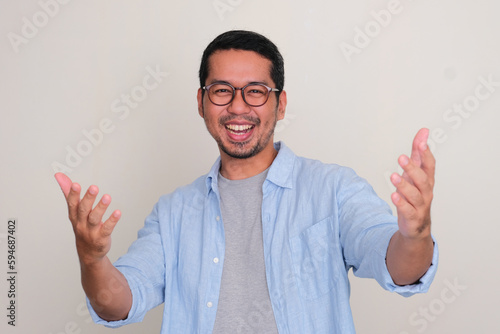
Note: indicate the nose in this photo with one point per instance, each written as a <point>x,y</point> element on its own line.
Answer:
<point>238,105</point>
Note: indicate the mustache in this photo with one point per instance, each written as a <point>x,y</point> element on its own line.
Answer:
<point>228,118</point>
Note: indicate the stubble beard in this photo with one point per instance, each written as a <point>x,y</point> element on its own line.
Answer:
<point>240,152</point>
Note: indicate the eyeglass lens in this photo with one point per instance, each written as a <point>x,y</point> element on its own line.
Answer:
<point>254,95</point>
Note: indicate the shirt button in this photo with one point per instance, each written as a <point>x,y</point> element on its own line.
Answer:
<point>216,260</point>
<point>217,218</point>
<point>209,304</point>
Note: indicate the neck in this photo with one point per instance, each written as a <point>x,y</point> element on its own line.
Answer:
<point>238,169</point>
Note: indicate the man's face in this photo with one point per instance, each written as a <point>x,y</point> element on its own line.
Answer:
<point>241,131</point>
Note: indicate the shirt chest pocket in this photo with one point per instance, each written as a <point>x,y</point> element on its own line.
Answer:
<point>317,259</point>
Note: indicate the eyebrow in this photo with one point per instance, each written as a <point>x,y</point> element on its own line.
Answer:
<point>227,82</point>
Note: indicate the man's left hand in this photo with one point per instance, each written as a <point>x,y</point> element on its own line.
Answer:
<point>414,189</point>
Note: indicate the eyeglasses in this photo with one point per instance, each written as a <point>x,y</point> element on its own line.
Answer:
<point>254,94</point>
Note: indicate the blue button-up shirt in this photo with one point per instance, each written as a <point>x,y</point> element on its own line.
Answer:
<point>319,220</point>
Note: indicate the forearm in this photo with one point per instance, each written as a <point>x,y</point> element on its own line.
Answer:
<point>107,290</point>
<point>409,259</point>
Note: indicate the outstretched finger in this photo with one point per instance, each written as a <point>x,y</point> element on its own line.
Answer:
<point>64,182</point>
<point>404,161</point>
<point>109,225</point>
<point>73,200</point>
<point>87,203</point>
<point>415,175</point>
<point>407,190</point>
<point>95,216</point>
<point>416,149</point>
<point>429,164</point>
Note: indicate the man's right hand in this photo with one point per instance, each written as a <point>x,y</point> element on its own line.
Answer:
<point>106,287</point>
<point>93,236</point>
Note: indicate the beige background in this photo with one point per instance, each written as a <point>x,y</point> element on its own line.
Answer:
<point>67,75</point>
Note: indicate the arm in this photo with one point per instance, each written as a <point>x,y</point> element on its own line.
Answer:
<point>107,289</point>
<point>410,249</point>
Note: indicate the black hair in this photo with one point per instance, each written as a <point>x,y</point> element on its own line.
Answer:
<point>248,41</point>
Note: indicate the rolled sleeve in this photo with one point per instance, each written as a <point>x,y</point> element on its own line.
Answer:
<point>368,226</point>
<point>144,269</point>
<point>132,317</point>
<point>384,278</point>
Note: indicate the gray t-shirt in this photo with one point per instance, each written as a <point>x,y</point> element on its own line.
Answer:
<point>244,303</point>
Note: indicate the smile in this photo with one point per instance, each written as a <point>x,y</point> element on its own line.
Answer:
<point>239,129</point>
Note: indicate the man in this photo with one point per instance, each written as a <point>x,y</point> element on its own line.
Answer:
<point>263,242</point>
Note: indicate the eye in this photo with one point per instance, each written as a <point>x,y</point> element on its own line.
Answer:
<point>256,90</point>
<point>221,90</point>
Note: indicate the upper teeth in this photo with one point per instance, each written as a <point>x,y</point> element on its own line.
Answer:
<point>235,127</point>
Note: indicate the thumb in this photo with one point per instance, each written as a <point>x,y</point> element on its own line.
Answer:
<point>64,182</point>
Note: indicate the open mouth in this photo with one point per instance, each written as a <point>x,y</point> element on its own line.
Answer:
<point>239,130</point>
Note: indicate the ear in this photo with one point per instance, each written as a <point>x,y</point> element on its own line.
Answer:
<point>200,102</point>
<point>282,105</point>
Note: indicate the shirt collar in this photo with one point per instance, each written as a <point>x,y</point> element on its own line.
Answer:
<point>212,177</point>
<point>280,172</point>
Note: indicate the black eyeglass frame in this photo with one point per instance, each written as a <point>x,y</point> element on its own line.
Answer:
<point>269,90</point>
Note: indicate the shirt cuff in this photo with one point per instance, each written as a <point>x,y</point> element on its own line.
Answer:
<point>131,318</point>
<point>423,284</point>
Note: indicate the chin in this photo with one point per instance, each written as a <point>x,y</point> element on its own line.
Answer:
<point>240,154</point>
<point>240,150</point>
